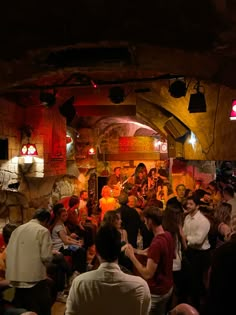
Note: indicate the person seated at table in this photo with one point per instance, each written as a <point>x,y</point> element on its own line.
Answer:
<point>68,245</point>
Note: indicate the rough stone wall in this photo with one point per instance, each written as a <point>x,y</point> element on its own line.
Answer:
<point>9,129</point>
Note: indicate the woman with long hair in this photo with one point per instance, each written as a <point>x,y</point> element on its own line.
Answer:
<point>173,223</point>
<point>67,245</point>
<point>107,202</point>
<point>113,218</point>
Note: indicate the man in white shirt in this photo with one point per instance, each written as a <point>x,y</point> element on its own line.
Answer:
<point>196,228</point>
<point>108,290</point>
<point>29,248</point>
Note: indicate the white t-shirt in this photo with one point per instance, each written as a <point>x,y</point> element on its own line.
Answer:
<point>57,242</point>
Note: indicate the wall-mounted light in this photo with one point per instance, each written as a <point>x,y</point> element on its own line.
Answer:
<point>28,149</point>
<point>233,111</point>
<point>91,151</point>
<point>192,140</point>
<point>68,139</point>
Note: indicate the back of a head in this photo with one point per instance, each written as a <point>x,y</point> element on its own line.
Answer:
<point>110,217</point>
<point>56,208</point>
<point>153,213</point>
<point>7,230</point>
<point>123,198</point>
<point>74,200</point>
<point>108,243</point>
<point>43,215</point>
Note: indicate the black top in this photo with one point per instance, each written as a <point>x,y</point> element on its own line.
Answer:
<point>131,222</point>
<point>175,204</point>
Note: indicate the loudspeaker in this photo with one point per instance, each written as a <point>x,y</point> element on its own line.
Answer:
<point>175,148</point>
<point>175,128</point>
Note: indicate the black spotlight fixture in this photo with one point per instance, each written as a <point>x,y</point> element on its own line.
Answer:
<point>47,99</point>
<point>197,102</point>
<point>117,95</point>
<point>178,88</point>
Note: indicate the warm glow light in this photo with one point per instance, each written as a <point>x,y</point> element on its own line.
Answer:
<point>29,149</point>
<point>233,111</point>
<point>91,151</point>
<point>68,139</point>
<point>192,140</point>
<point>28,159</point>
<point>94,84</point>
<point>157,143</point>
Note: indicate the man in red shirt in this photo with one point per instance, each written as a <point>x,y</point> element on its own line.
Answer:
<point>160,254</point>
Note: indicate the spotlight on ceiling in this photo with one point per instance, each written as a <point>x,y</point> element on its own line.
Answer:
<point>117,95</point>
<point>47,99</point>
<point>197,102</point>
<point>178,88</point>
<point>233,111</point>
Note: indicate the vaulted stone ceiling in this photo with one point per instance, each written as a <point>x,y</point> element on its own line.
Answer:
<point>195,39</point>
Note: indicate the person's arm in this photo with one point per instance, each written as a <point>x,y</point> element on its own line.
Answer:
<point>67,240</point>
<point>146,272</point>
<point>142,252</point>
<point>182,237</point>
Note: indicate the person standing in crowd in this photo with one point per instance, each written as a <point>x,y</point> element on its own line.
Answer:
<point>28,250</point>
<point>216,195</point>
<point>107,202</point>
<point>196,228</point>
<point>228,196</point>
<point>108,290</point>
<point>222,279</point>
<point>177,201</point>
<point>131,220</point>
<point>158,269</point>
<point>83,199</point>
<point>173,223</point>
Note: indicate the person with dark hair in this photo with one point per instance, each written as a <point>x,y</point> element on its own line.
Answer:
<point>177,201</point>
<point>158,269</point>
<point>173,223</point>
<point>131,220</point>
<point>6,233</point>
<point>108,290</point>
<point>216,195</point>
<point>66,244</point>
<point>222,277</point>
<point>228,196</point>
<point>116,178</point>
<point>196,228</point>
<point>113,218</point>
<point>28,251</point>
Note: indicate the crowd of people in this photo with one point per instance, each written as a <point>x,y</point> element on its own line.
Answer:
<point>124,256</point>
